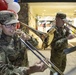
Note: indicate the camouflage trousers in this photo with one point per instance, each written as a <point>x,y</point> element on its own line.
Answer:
<point>59,60</point>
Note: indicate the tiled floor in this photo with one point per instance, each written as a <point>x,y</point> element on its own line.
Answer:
<point>71,62</point>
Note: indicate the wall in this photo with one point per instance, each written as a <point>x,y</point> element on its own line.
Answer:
<point>32,23</point>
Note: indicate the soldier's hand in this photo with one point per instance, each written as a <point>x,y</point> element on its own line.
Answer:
<point>37,67</point>
<point>40,66</point>
<point>22,34</point>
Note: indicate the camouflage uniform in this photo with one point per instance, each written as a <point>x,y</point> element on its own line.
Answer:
<point>13,53</point>
<point>58,44</point>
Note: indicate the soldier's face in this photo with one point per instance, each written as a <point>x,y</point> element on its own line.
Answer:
<point>59,22</point>
<point>9,29</point>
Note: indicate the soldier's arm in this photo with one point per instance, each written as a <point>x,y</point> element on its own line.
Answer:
<point>5,66</point>
<point>68,33</point>
<point>26,36</point>
<point>2,61</point>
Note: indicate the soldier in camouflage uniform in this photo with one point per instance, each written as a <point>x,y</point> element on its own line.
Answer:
<point>12,51</point>
<point>59,43</point>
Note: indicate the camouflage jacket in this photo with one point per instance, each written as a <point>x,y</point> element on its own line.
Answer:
<point>12,53</point>
<point>60,41</point>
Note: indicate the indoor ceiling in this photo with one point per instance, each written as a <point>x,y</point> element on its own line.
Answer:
<point>51,8</point>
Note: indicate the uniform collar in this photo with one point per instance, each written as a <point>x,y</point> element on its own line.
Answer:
<point>5,38</point>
